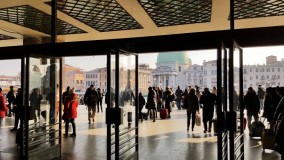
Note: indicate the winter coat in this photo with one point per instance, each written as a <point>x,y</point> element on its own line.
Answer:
<point>191,103</point>
<point>151,100</point>
<point>251,102</point>
<point>70,106</point>
<point>3,107</point>
<point>141,102</point>
<point>208,101</point>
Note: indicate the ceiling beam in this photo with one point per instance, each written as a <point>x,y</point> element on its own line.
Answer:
<point>138,13</point>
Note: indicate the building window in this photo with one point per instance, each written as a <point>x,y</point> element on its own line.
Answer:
<point>250,78</point>
<point>261,69</point>
<point>272,69</point>
<point>250,70</point>
<point>77,81</point>
<point>179,68</point>
<point>256,77</point>
<point>278,69</point>
<point>256,70</point>
<point>267,77</point>
<point>268,69</point>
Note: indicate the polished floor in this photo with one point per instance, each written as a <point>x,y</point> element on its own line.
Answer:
<point>160,140</point>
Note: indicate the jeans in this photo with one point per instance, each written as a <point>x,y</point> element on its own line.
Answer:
<point>178,103</point>
<point>193,119</point>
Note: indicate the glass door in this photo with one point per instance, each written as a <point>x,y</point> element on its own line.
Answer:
<point>222,102</point>
<point>42,127</point>
<point>122,113</point>
<point>236,105</point>
<point>230,117</point>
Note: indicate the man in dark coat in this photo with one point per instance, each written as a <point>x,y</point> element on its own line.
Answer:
<point>251,104</point>
<point>208,101</point>
<point>11,98</point>
<point>178,94</point>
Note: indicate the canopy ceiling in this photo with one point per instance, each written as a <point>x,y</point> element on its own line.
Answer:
<point>84,20</point>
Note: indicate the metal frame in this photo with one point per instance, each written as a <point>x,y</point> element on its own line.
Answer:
<point>178,12</point>
<point>35,19</point>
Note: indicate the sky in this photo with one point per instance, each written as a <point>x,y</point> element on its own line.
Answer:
<point>251,56</point>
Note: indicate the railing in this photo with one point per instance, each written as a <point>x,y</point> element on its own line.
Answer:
<point>126,143</point>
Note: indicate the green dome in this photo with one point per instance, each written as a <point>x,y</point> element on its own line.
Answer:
<point>180,57</point>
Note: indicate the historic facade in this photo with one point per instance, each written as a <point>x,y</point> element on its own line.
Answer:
<point>270,74</point>
<point>171,70</point>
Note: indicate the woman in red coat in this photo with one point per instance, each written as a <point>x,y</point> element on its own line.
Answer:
<point>3,107</point>
<point>70,112</point>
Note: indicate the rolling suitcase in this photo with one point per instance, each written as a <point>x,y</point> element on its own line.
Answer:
<point>257,128</point>
<point>164,113</point>
<point>268,139</point>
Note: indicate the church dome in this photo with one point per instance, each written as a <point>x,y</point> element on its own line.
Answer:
<point>179,57</point>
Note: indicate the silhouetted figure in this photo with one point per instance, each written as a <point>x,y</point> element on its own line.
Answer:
<point>178,94</point>
<point>11,98</point>
<point>208,101</point>
<point>100,100</point>
<point>251,104</point>
<point>90,99</point>
<point>141,104</point>
<point>18,109</point>
<point>191,104</point>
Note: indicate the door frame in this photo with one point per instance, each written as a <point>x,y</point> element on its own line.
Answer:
<point>226,115</point>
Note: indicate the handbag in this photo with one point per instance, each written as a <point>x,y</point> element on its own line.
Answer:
<point>198,119</point>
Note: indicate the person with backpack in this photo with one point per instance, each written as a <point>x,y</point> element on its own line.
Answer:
<point>11,98</point>
<point>90,99</point>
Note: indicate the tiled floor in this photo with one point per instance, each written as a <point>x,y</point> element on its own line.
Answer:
<point>160,140</point>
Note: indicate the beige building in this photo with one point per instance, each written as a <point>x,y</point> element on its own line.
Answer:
<point>74,77</point>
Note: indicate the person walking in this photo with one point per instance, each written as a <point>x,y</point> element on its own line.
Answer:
<point>18,109</point>
<point>70,112</point>
<point>11,98</point>
<point>261,96</point>
<point>191,104</point>
<point>168,98</point>
<point>141,104</point>
<point>3,108</point>
<point>90,99</point>
<point>151,103</point>
<point>251,104</point>
<point>178,94</point>
<point>100,100</point>
<point>35,99</point>
<point>207,100</point>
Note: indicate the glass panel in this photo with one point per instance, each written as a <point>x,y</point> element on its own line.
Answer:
<point>236,92</point>
<point>112,98</point>
<point>126,100</point>
<point>44,108</point>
